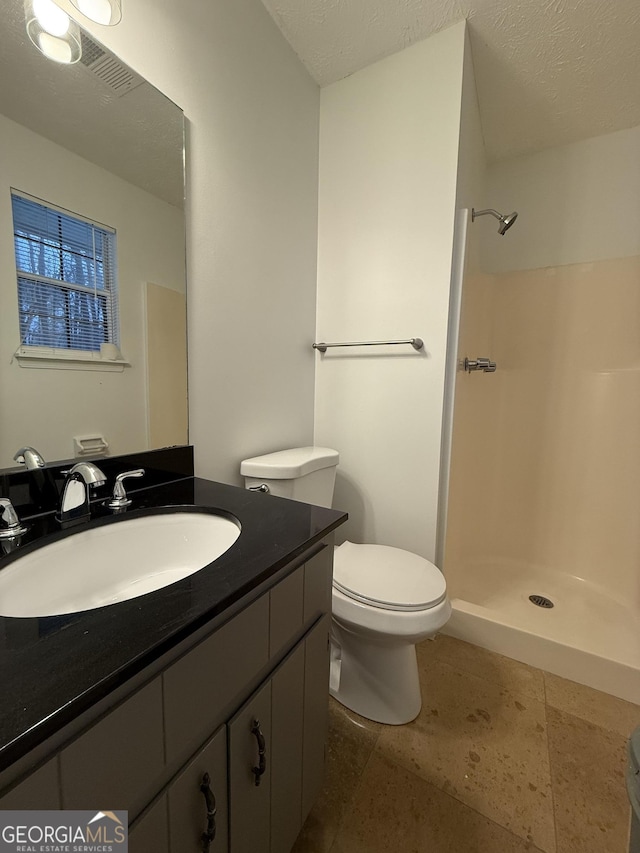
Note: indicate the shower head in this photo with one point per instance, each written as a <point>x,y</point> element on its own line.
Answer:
<point>505,221</point>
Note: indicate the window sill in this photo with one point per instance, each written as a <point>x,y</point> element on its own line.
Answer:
<point>56,359</point>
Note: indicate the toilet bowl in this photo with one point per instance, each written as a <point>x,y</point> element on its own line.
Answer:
<point>384,599</point>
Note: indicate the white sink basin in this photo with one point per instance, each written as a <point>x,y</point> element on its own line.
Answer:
<point>113,563</point>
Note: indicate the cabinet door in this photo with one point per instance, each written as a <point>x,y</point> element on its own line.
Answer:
<point>150,832</point>
<point>188,803</point>
<point>287,698</point>
<point>316,711</point>
<point>249,803</point>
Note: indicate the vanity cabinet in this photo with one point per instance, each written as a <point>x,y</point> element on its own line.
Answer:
<point>246,708</point>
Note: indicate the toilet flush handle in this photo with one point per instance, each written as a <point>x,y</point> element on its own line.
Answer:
<point>261,488</point>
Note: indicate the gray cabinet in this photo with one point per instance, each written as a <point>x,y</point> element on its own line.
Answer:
<point>258,681</point>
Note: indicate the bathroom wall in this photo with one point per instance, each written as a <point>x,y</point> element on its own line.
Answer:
<point>252,149</point>
<point>558,420</point>
<point>577,203</point>
<point>150,247</point>
<point>464,473</point>
<point>388,165</point>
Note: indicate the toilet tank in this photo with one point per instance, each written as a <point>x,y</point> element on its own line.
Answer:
<point>304,474</point>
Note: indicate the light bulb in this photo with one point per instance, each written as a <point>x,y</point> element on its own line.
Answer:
<point>52,31</point>
<point>51,17</point>
<point>55,48</point>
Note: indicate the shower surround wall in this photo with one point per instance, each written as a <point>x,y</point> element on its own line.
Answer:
<point>544,494</point>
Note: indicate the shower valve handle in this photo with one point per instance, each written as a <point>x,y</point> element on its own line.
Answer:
<point>483,364</point>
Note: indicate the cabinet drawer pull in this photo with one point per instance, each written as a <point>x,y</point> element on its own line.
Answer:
<point>210,833</point>
<point>262,750</point>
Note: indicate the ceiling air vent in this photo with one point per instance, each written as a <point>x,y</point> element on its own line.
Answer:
<point>113,73</point>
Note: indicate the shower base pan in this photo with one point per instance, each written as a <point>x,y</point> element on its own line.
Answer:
<point>586,636</point>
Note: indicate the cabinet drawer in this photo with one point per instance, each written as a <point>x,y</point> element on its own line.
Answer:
<point>318,577</point>
<point>202,686</point>
<point>41,790</point>
<point>286,610</point>
<point>117,763</point>
<point>187,803</point>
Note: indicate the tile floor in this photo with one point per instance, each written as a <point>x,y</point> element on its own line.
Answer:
<point>503,757</point>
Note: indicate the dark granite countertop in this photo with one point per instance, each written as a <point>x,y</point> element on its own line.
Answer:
<point>54,668</point>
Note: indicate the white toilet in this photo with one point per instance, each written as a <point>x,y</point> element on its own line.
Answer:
<point>385,600</point>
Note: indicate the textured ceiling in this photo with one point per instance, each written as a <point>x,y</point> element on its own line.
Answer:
<point>548,72</point>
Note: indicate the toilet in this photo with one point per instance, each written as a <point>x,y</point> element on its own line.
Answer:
<point>384,599</point>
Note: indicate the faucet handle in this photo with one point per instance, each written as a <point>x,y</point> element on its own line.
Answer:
<point>119,498</point>
<point>12,525</point>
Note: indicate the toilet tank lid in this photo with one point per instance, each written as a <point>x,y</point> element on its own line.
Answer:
<point>288,464</point>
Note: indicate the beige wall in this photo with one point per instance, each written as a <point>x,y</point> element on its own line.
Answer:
<point>166,339</point>
<point>44,407</point>
<point>546,456</point>
<point>388,159</point>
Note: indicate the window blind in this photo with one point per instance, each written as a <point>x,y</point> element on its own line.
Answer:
<point>67,284</point>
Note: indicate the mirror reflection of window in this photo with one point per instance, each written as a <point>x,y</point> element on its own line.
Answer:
<point>67,283</point>
<point>111,157</point>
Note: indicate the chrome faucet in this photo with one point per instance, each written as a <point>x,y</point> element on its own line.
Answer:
<point>10,524</point>
<point>30,457</point>
<point>75,506</point>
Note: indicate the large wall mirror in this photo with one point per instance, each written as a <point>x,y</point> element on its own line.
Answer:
<point>97,142</point>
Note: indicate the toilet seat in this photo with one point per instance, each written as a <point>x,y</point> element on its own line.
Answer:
<point>387,578</point>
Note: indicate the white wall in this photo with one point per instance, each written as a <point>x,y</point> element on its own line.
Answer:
<point>577,203</point>
<point>388,162</point>
<point>472,158</point>
<point>46,408</point>
<point>252,113</point>
<point>465,266</point>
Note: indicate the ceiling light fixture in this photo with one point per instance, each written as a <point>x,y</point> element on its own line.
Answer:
<point>52,31</point>
<point>106,12</point>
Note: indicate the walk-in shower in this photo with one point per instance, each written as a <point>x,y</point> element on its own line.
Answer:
<point>541,549</point>
<point>506,220</point>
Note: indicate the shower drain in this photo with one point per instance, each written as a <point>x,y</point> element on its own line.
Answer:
<point>541,601</point>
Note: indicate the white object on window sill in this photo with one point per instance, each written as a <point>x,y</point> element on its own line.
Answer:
<point>62,359</point>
